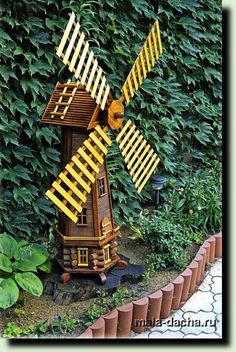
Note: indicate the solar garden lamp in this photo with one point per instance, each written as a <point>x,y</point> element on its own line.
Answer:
<point>157,184</point>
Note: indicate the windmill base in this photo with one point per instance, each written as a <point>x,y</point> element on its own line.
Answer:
<point>81,287</point>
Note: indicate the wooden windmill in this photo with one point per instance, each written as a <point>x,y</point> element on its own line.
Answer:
<point>87,110</point>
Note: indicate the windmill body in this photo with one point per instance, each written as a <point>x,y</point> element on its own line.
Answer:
<point>86,109</point>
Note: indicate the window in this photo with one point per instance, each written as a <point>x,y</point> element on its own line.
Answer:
<point>82,217</point>
<point>106,226</point>
<point>82,256</point>
<point>101,187</point>
<point>106,250</point>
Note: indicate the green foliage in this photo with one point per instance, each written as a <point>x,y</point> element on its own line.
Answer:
<point>178,107</point>
<point>12,330</point>
<point>120,296</point>
<point>17,261</point>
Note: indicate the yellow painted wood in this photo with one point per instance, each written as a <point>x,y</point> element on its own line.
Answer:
<point>137,152</point>
<point>126,94</point>
<point>101,88</point>
<point>98,143</point>
<point>95,86</point>
<point>148,163</point>
<point>76,52</point>
<point>93,151</point>
<point>128,123</point>
<point>140,78</point>
<point>92,73</point>
<point>147,57</point>
<point>148,175</point>
<point>159,36</point>
<point>150,49</point>
<point>143,65</point>
<point>154,39</point>
<point>142,165</point>
<point>66,34</point>
<point>83,169</point>
<point>72,186</point>
<point>71,200</point>
<point>62,103</point>
<point>82,59</point>
<point>86,70</point>
<point>104,99</point>
<point>88,160</point>
<point>130,142</point>
<point>103,135</point>
<point>139,159</point>
<point>127,136</point>
<point>133,149</point>
<point>71,43</point>
<point>78,178</point>
<point>133,73</point>
<point>61,206</point>
<point>131,90</point>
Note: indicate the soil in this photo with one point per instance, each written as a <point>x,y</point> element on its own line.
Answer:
<point>38,309</point>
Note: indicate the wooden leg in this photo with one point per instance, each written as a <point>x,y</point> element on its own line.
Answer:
<point>103,278</point>
<point>65,277</point>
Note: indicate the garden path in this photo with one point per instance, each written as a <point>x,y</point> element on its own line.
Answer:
<point>203,309</point>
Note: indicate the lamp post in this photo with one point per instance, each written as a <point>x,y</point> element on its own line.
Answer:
<point>157,184</point>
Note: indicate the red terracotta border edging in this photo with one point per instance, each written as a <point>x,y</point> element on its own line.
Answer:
<point>149,309</point>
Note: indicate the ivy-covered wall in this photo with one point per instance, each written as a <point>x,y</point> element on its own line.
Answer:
<point>178,107</point>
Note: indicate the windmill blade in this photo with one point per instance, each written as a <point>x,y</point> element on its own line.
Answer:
<point>146,59</point>
<point>74,51</point>
<point>140,159</point>
<point>69,192</point>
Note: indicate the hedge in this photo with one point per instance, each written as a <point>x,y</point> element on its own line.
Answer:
<point>178,107</point>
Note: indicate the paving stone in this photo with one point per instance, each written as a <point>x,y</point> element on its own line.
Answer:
<point>216,269</point>
<point>199,301</point>
<point>219,325</point>
<point>201,336</point>
<point>167,335</point>
<point>172,323</point>
<point>206,320</point>
<point>204,286</point>
<point>217,305</point>
<point>217,285</point>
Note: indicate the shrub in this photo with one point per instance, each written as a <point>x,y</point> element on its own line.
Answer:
<point>17,261</point>
<point>167,241</point>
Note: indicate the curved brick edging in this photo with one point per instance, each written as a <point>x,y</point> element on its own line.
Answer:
<point>132,316</point>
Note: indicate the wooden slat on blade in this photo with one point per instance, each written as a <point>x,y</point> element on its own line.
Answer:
<point>103,135</point>
<point>83,169</point>
<point>92,73</point>
<point>61,206</point>
<point>81,61</point>
<point>73,188</point>
<point>128,123</point>
<point>139,159</point>
<point>104,99</point>
<point>65,35</point>
<point>146,169</point>
<point>98,143</point>
<point>71,200</point>
<point>151,50</point>
<point>71,44</point>
<point>127,136</point>
<point>148,176</point>
<point>88,160</point>
<point>76,53</point>
<point>93,151</point>
<point>130,142</point>
<point>159,37</point>
<point>147,57</point>
<point>97,80</point>
<point>78,178</point>
<point>133,149</point>
<point>101,88</point>
<point>143,164</point>
<point>86,70</point>
<point>155,43</point>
